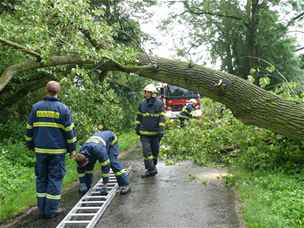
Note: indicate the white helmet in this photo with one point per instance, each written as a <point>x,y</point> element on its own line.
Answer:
<point>150,88</point>
<point>193,101</point>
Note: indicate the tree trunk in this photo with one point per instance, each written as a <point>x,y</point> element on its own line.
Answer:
<point>249,103</point>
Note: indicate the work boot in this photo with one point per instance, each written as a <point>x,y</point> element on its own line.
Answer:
<point>58,212</point>
<point>149,173</point>
<point>124,189</point>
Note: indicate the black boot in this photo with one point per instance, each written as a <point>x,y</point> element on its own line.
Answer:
<point>149,173</point>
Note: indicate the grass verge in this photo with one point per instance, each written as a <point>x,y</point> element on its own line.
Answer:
<point>271,198</point>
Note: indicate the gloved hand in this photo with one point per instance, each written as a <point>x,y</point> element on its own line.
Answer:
<point>104,189</point>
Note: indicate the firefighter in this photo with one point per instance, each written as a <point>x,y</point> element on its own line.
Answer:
<point>50,133</point>
<point>102,146</point>
<point>186,112</point>
<point>150,127</point>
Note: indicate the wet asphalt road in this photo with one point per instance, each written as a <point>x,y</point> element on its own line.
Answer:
<point>182,195</point>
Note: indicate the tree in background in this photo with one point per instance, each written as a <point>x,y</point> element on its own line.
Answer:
<point>92,29</point>
<point>248,37</point>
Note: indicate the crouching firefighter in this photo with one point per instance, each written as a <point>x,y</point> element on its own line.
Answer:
<point>102,147</point>
<point>150,127</point>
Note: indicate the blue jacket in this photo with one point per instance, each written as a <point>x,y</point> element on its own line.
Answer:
<point>98,146</point>
<point>50,128</point>
<point>102,146</point>
<point>150,117</point>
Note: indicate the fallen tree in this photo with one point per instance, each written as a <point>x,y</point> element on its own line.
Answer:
<point>248,103</point>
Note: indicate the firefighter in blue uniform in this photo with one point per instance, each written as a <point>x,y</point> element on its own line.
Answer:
<point>150,126</point>
<point>186,112</point>
<point>50,133</point>
<point>102,147</point>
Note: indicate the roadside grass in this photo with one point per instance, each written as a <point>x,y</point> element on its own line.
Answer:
<point>272,198</point>
<point>17,182</point>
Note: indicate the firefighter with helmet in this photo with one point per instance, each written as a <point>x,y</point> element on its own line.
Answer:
<point>186,111</point>
<point>150,127</point>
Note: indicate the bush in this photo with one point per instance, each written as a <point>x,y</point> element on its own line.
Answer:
<point>220,138</point>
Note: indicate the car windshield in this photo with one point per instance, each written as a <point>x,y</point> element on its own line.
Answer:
<point>178,92</point>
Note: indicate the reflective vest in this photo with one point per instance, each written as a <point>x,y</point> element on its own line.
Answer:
<point>50,128</point>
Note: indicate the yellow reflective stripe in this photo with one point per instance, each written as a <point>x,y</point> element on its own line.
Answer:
<point>54,197</point>
<point>121,172</point>
<point>89,172</point>
<point>150,114</point>
<point>72,140</point>
<point>92,141</point>
<point>137,122</point>
<point>48,114</point>
<point>114,140</point>
<point>148,132</point>
<point>40,195</point>
<point>49,151</point>
<point>69,128</point>
<point>28,126</point>
<point>96,139</point>
<point>81,174</point>
<point>48,124</point>
<point>104,163</point>
<point>148,157</point>
<point>161,124</point>
<point>105,174</point>
<point>28,138</point>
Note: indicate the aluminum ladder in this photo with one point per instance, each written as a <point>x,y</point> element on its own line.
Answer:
<point>89,209</point>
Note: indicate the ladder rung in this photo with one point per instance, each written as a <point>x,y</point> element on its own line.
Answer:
<point>84,208</point>
<point>77,222</point>
<point>92,202</point>
<point>98,197</point>
<point>83,214</point>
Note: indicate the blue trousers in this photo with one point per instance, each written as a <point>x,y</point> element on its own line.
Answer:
<point>86,173</point>
<point>49,170</point>
<point>150,146</point>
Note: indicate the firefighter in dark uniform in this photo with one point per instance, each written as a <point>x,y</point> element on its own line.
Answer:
<point>186,112</point>
<point>102,147</point>
<point>50,133</point>
<point>150,126</point>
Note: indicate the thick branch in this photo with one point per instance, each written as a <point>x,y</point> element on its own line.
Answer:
<point>12,70</point>
<point>20,47</point>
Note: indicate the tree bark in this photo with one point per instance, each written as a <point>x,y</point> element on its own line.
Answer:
<point>249,103</point>
<point>11,71</point>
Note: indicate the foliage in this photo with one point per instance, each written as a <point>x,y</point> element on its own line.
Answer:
<point>241,35</point>
<point>220,138</point>
<point>90,29</point>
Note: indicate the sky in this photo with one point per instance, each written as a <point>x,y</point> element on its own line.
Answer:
<point>167,42</point>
